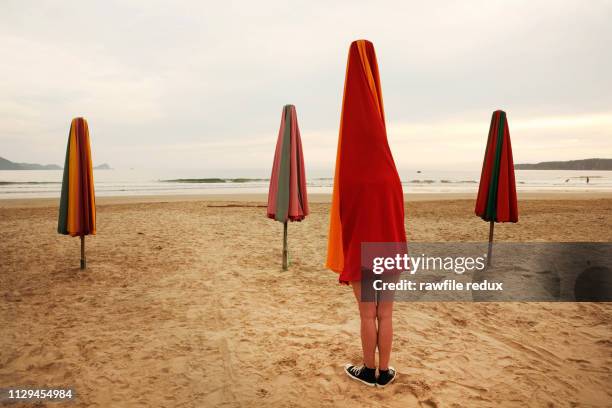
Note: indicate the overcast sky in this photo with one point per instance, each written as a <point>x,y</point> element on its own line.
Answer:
<point>201,85</point>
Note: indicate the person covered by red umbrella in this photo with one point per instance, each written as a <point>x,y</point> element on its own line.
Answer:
<point>367,206</point>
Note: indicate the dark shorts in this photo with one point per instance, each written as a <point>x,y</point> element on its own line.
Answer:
<point>374,288</point>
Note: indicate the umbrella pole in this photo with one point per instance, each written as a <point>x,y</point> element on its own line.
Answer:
<point>285,252</point>
<point>83,260</point>
<point>490,251</point>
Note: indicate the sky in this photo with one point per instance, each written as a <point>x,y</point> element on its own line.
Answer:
<point>200,85</point>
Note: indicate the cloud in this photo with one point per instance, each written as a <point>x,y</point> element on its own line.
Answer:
<point>534,139</point>
<point>201,84</point>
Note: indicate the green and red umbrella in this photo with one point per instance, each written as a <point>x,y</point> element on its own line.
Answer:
<point>77,210</point>
<point>496,200</point>
<point>287,197</point>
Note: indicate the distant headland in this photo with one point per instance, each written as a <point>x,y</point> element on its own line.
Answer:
<point>586,164</point>
<point>9,165</point>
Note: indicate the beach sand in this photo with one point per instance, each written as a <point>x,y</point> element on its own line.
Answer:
<point>184,304</point>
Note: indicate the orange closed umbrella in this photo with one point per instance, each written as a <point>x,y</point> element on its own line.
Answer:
<point>77,212</point>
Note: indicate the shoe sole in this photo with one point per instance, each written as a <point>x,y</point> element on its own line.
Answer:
<point>390,382</point>
<point>351,376</point>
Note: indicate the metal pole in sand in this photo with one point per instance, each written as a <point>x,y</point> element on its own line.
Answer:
<point>490,251</point>
<point>285,251</point>
<point>83,260</point>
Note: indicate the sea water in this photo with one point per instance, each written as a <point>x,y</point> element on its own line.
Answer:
<point>127,182</point>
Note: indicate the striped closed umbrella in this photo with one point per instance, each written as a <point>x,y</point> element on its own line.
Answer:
<point>496,201</point>
<point>77,212</point>
<point>287,197</point>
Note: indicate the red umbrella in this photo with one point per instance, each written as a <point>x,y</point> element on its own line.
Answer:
<point>287,197</point>
<point>496,201</point>
<point>367,201</point>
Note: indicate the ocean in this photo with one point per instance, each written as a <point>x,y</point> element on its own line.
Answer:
<point>120,182</point>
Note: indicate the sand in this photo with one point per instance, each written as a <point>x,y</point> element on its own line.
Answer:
<point>184,304</point>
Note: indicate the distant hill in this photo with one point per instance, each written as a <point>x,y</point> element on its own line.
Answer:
<point>9,165</point>
<point>586,164</point>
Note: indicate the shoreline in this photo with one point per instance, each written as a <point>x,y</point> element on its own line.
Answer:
<point>263,198</point>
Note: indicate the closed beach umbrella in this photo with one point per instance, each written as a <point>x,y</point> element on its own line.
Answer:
<point>287,197</point>
<point>77,213</point>
<point>496,201</point>
<point>367,200</point>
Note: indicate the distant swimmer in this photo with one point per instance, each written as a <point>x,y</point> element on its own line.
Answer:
<point>567,181</point>
<point>587,180</point>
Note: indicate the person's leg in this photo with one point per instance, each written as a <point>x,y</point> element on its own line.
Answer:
<point>384,315</point>
<point>367,313</point>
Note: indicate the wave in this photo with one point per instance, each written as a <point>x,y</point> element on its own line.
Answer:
<point>441,181</point>
<point>17,183</point>
<point>214,180</point>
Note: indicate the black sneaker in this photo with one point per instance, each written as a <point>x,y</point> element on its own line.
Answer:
<point>361,373</point>
<point>386,377</point>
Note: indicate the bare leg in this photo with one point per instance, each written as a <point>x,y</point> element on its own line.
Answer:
<point>384,314</point>
<point>369,335</point>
